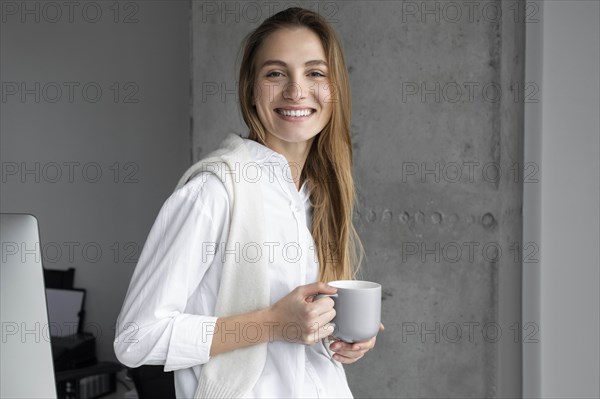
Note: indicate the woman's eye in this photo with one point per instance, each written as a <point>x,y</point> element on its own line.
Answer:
<point>274,74</point>
<point>317,74</point>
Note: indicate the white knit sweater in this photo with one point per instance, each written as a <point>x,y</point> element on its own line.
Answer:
<point>233,374</point>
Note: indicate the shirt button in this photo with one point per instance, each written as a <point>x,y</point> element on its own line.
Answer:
<point>295,208</point>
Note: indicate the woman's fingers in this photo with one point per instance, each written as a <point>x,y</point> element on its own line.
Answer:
<point>350,354</point>
<point>316,288</point>
<point>322,310</point>
<point>309,316</point>
<point>356,346</point>
<point>346,352</point>
<point>323,327</point>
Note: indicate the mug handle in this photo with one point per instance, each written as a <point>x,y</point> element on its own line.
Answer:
<point>319,296</point>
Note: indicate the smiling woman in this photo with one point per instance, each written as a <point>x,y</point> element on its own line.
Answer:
<point>245,323</point>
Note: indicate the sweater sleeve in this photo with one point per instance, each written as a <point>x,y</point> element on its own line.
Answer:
<point>153,326</point>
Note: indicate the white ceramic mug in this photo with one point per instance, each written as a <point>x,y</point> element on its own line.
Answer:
<point>357,309</point>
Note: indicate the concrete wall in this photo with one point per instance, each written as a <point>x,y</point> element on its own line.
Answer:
<point>438,95</point>
<point>561,211</point>
<point>94,167</point>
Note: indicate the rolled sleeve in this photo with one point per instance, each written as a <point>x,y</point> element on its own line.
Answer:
<point>191,340</point>
<point>163,302</point>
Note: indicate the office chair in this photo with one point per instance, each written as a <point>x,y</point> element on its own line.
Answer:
<point>151,382</point>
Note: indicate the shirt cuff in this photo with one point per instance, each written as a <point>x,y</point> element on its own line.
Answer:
<point>191,340</point>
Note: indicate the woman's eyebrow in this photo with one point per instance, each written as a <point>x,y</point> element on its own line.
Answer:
<point>315,62</point>
<point>283,64</point>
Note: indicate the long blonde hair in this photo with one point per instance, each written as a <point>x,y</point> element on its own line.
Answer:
<point>328,168</point>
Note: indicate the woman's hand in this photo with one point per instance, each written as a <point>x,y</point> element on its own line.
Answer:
<point>348,353</point>
<point>299,319</point>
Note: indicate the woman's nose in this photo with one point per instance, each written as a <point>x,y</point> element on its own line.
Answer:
<point>295,90</point>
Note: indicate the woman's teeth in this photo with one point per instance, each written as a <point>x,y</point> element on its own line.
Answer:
<point>300,112</point>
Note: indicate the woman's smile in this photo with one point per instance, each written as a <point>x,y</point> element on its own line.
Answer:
<point>295,114</point>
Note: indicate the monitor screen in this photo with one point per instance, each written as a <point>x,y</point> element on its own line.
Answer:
<point>65,308</point>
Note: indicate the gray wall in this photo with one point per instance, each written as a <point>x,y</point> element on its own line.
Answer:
<point>135,133</point>
<point>561,210</point>
<point>437,113</point>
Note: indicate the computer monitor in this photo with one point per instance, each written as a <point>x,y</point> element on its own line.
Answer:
<point>26,368</point>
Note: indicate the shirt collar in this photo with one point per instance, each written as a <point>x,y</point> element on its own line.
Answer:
<point>261,153</point>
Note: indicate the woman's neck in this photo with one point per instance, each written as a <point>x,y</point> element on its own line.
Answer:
<point>295,153</point>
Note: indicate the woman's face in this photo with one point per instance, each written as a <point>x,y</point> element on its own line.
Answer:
<point>292,91</point>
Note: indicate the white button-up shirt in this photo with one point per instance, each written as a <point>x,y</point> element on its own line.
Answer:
<point>168,314</point>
